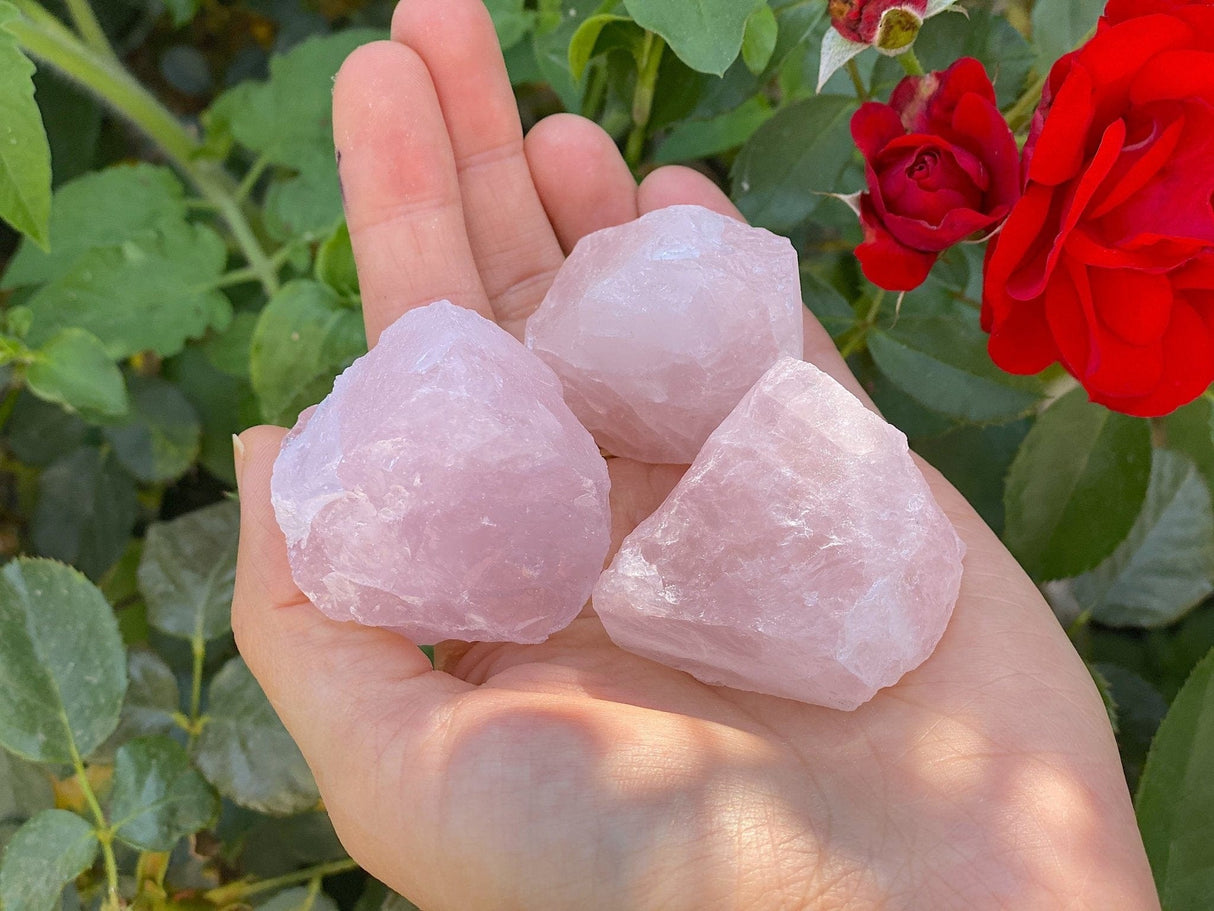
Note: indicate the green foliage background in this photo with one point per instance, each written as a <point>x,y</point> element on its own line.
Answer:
<point>185,273</point>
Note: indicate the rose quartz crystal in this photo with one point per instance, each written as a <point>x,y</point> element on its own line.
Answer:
<point>658,327</point>
<point>443,489</point>
<point>802,554</point>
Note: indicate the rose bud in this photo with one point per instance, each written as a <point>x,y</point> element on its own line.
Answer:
<point>888,25</point>
<point>1106,264</point>
<point>942,166</point>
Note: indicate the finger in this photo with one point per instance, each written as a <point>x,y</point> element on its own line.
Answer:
<point>401,194</point>
<point>338,687</point>
<point>675,185</point>
<point>580,176</point>
<point>509,233</point>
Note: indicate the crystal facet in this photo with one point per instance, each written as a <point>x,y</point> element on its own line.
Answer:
<point>444,489</point>
<point>658,327</point>
<point>802,555</point>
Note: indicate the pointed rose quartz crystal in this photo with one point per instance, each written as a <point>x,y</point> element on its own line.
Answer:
<point>658,327</point>
<point>802,555</point>
<point>443,489</point>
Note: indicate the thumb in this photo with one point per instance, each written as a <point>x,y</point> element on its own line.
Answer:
<point>343,690</point>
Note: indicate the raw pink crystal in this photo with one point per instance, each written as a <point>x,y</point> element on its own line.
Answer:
<point>658,327</point>
<point>443,489</point>
<point>802,555</point>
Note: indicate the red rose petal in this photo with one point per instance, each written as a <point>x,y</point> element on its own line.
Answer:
<point>984,126</point>
<point>1188,369</point>
<point>885,262</point>
<point>1068,323</point>
<point>1135,306</point>
<point>1132,172</point>
<point>1025,241</point>
<point>873,127</point>
<point>1173,75</point>
<point>1059,151</point>
<point>1021,343</point>
<point>1113,366</point>
<point>1030,284</point>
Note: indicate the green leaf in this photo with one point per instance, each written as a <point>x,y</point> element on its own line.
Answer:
<point>759,39</point>
<point>397,902</point>
<point>511,20</point>
<point>799,154</point>
<point>101,209</point>
<point>228,351</point>
<point>188,572</point>
<point>39,432</point>
<point>586,44</point>
<point>62,664</point>
<point>300,898</point>
<point>25,154</point>
<point>158,796</point>
<point>694,139</point>
<point>159,442</point>
<point>935,352</point>
<point>1140,709</point>
<point>246,753</point>
<point>86,510</point>
<point>151,293</point>
<point>705,34</point>
<point>556,26</point>
<point>1060,25</point>
<point>225,404</point>
<point>1076,487</point>
<point>1190,430</point>
<point>74,369</point>
<point>25,788</point>
<point>45,855</point>
<point>152,698</point>
<point>1175,799</point>
<point>276,845</point>
<point>182,11</point>
<point>828,305</point>
<point>1165,566</point>
<point>975,459</point>
<point>288,119</point>
<point>335,265</point>
<point>304,338</point>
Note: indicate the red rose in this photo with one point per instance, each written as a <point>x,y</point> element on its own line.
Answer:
<point>860,20</point>
<point>942,165</point>
<point>1107,262</point>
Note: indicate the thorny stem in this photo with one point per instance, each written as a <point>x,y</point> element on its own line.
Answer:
<point>642,98</point>
<point>47,39</point>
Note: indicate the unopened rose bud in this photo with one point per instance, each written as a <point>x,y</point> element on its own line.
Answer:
<point>888,25</point>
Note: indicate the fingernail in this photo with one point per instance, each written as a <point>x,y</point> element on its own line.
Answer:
<point>237,457</point>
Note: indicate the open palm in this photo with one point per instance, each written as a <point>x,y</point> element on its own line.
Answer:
<point>574,775</point>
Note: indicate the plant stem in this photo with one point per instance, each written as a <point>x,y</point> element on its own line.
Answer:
<point>910,62</point>
<point>642,98</point>
<point>858,81</point>
<point>1020,113</point>
<point>104,835</point>
<point>198,647</point>
<point>47,39</point>
<point>237,891</point>
<point>90,29</point>
<point>856,342</point>
<point>252,176</point>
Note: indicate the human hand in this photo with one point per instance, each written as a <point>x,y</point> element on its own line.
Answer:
<point>572,774</point>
